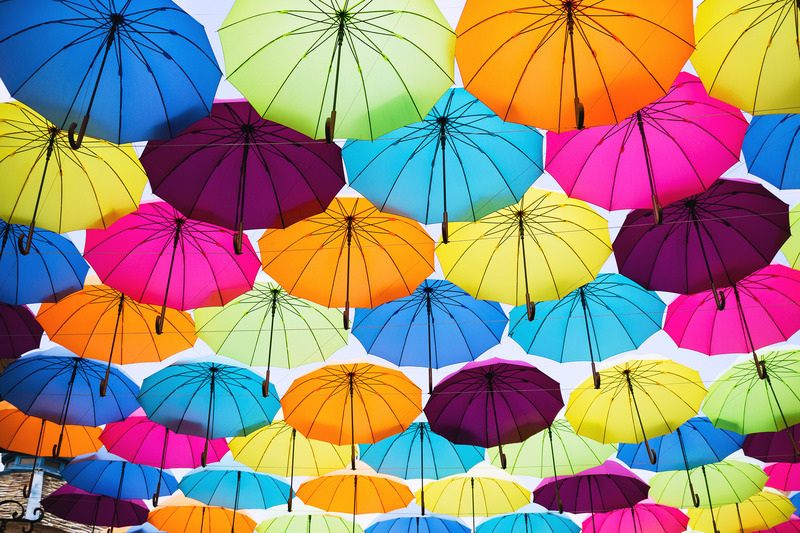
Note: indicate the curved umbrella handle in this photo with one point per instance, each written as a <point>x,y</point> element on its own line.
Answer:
<point>719,297</point>
<point>658,212</point>
<point>76,143</point>
<point>159,324</point>
<point>695,499</point>
<point>650,453</point>
<point>23,244</point>
<point>238,238</point>
<point>530,307</point>
<point>761,367</point>
<point>330,124</point>
<point>204,459</point>
<point>155,500</point>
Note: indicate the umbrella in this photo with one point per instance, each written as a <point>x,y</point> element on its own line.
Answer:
<point>89,323</point>
<point>437,319</point>
<point>59,387</point>
<point>351,403</point>
<point>392,255</point>
<point>491,166</point>
<point>523,61</point>
<point>203,171</point>
<point>108,475</point>
<point>606,317</point>
<point>55,55</point>
<point>185,515</point>
<point>306,523</point>
<point>783,476</point>
<point>792,526</point>
<point>675,146</point>
<point>773,446</point>
<point>76,505</point>
<point>528,523</point>
<point>157,256</point>
<point>277,449</point>
<point>765,313</point>
<point>747,54</point>
<point>757,513</point>
<point>649,517</point>
<point>643,398</point>
<point>493,402</point>
<point>420,453</point>
<point>207,399</point>
<point>567,243</point>
<point>417,524</point>
<point>791,248</point>
<point>384,65</point>
<point>19,331</point>
<point>708,240</point>
<point>53,269</point>
<point>769,149</point>
<point>304,332</point>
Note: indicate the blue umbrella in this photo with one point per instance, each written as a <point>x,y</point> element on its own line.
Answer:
<point>437,325</point>
<point>796,502</point>
<point>143,70</point>
<point>529,523</point>
<point>208,400</point>
<point>417,524</point>
<point>770,150</point>
<point>462,159</point>
<point>60,387</point>
<point>54,268</point>
<point>695,443</point>
<point>605,317</point>
<point>106,474</point>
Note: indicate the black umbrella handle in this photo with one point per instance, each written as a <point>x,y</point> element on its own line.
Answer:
<point>719,297</point>
<point>73,142</point>
<point>238,239</point>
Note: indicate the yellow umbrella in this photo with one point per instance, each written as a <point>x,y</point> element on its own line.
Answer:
<point>746,54</point>
<point>279,449</point>
<point>635,400</point>
<point>541,248</point>
<point>763,511</point>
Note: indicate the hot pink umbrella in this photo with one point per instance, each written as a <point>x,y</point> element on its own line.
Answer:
<point>783,476</point>
<point>767,311</point>
<point>643,517</point>
<point>792,526</point>
<point>158,256</point>
<point>676,146</point>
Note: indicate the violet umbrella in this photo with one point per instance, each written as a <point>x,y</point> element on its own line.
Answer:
<point>240,171</point>
<point>19,331</point>
<point>157,256</point>
<point>638,518</point>
<point>76,505</point>
<point>774,446</point>
<point>673,147</point>
<point>707,240</point>
<point>493,402</point>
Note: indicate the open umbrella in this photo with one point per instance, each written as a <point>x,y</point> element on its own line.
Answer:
<point>649,517</point>
<point>239,171</point>
<point>306,523</point>
<point>773,446</point>
<point>386,256</point>
<point>76,505</point>
<point>791,248</point>
<point>756,513</point>
<point>417,524</point>
<point>184,515</point>
<point>783,476</point>
<point>380,65</point>
<point>490,165</point>
<point>563,65</point>
<point>142,70</point>
<point>770,150</point>
<point>528,523</point>
<point>108,475</point>
<point>19,331</point>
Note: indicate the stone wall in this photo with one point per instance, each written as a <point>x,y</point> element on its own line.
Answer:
<point>11,484</point>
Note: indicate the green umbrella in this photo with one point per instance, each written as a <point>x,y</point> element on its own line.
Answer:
<point>306,523</point>
<point>382,64</point>
<point>266,325</point>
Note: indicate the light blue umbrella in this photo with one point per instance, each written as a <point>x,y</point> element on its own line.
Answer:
<point>772,149</point>
<point>529,523</point>
<point>437,325</point>
<point>108,475</point>
<point>605,317</point>
<point>462,162</point>
<point>417,524</point>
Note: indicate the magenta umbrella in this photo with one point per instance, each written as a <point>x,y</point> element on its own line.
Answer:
<point>240,171</point>
<point>766,311</point>
<point>783,476</point>
<point>676,146</point>
<point>19,331</point>
<point>773,446</point>
<point>645,517</point>
<point>76,505</point>
<point>158,256</point>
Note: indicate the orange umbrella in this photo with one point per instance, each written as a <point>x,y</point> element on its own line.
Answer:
<point>351,403</point>
<point>184,515</point>
<point>102,323</point>
<point>349,254</point>
<point>547,64</point>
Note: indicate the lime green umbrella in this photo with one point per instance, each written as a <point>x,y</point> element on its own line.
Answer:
<point>306,523</point>
<point>722,483</point>
<point>381,63</point>
<point>267,325</point>
<point>791,248</point>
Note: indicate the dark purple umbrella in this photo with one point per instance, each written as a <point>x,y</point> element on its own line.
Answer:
<point>76,505</point>
<point>19,331</point>
<point>493,402</point>
<point>774,446</point>
<point>240,171</point>
<point>601,489</point>
<point>707,240</point>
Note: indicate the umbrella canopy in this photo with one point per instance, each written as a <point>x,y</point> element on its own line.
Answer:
<point>19,331</point>
<point>493,402</point>
<point>470,495</point>
<point>351,403</point>
<point>564,65</point>
<point>791,248</point>
<point>417,524</point>
<point>491,166</point>
<point>108,475</point>
<point>268,319</point>
<point>384,66</point>
<point>437,325</point>
<point>170,71</point>
<point>673,147</point>
<point>52,269</point>
<point>391,256</point>
<point>189,516</point>
<point>234,489</point>
<point>301,523</point>
<point>567,243</point>
<point>769,149</point>
<point>773,446</point>
<point>35,436</point>
<point>649,517</point>
<point>747,54</point>
<point>757,513</point>
<point>76,505</point>
<point>783,476</point>
<point>528,523</point>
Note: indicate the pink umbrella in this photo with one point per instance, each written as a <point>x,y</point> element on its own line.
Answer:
<point>783,476</point>
<point>643,517</point>
<point>792,526</point>
<point>158,256</point>
<point>676,146</point>
<point>767,311</point>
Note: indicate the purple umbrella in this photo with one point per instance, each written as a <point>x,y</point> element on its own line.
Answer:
<point>712,239</point>
<point>240,171</point>
<point>774,446</point>
<point>601,489</point>
<point>493,402</point>
<point>76,505</point>
<point>19,331</point>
